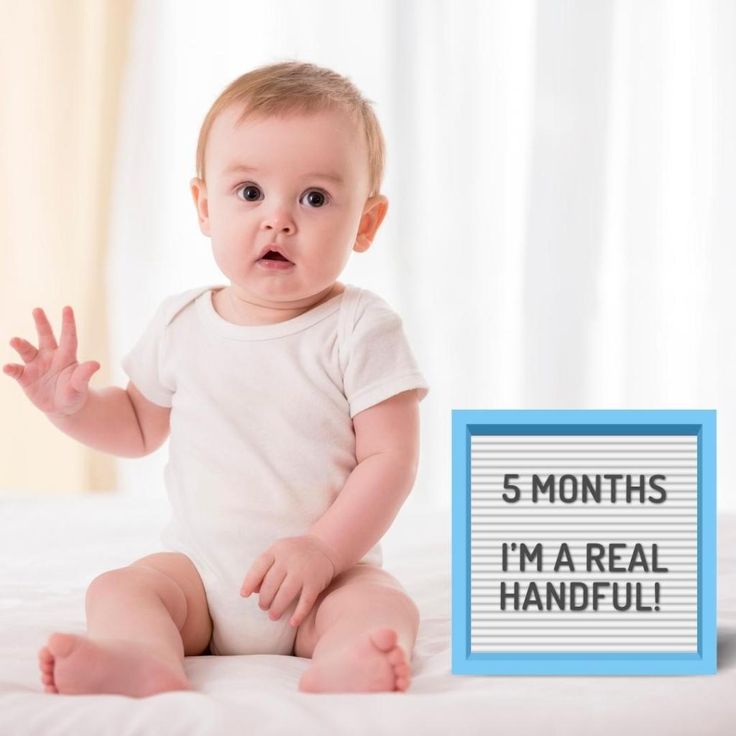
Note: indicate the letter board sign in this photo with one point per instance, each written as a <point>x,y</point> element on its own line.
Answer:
<point>584,542</point>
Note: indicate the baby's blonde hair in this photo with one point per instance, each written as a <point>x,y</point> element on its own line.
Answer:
<point>298,87</point>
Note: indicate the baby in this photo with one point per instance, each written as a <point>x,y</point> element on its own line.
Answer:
<point>292,403</point>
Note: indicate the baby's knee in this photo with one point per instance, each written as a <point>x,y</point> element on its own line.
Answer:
<point>403,601</point>
<point>134,583</point>
<point>389,596</point>
<point>413,608</point>
<point>108,581</point>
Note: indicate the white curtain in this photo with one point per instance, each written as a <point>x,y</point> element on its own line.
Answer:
<point>561,178</point>
<point>60,69</point>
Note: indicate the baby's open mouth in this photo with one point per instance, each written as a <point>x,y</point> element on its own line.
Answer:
<point>272,255</point>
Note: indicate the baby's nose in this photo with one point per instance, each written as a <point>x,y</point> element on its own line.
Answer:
<point>280,221</point>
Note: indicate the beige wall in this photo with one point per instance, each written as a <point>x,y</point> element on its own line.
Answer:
<point>61,65</point>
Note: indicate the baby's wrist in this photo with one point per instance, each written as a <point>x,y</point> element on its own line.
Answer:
<point>329,552</point>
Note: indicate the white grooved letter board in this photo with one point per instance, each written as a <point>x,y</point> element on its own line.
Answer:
<point>583,544</point>
<point>674,532</point>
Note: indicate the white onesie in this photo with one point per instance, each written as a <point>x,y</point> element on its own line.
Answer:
<point>262,437</point>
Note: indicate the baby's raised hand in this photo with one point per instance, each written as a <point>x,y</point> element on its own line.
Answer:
<point>52,378</point>
<point>289,566</point>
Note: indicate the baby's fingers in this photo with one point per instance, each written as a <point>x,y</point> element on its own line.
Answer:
<point>287,593</point>
<point>306,601</point>
<point>82,373</point>
<point>256,573</point>
<point>46,337</point>
<point>13,370</point>
<point>68,332</point>
<point>26,351</point>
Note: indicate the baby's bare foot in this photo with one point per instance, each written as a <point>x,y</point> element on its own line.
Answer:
<point>73,665</point>
<point>373,663</point>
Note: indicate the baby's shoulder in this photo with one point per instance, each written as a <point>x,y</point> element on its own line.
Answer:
<point>175,304</point>
<point>367,312</point>
<point>365,301</point>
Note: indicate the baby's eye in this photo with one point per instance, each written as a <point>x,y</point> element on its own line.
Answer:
<point>251,192</point>
<point>316,198</point>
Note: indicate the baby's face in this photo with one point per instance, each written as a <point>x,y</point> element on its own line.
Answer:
<point>301,182</point>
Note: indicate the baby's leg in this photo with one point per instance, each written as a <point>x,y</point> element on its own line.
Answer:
<point>141,622</point>
<point>360,634</point>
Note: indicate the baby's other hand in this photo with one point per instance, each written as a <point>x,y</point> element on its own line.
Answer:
<point>289,566</point>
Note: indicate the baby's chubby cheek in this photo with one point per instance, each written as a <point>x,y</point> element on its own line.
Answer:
<point>233,262</point>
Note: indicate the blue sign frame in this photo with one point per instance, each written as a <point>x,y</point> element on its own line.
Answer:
<point>700,423</point>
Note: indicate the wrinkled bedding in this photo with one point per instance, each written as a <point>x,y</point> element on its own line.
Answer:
<point>52,547</point>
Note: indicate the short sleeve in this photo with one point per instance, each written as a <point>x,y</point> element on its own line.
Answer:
<point>144,363</point>
<point>380,362</point>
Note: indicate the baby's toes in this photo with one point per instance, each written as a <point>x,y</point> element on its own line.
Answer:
<point>45,656</point>
<point>47,678</point>
<point>397,657</point>
<point>402,672</point>
<point>403,678</point>
<point>46,666</point>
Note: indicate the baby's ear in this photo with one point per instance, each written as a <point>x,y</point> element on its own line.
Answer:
<point>373,214</point>
<point>362,243</point>
<point>199,195</point>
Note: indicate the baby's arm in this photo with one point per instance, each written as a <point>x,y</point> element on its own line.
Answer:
<point>387,450</point>
<point>112,421</point>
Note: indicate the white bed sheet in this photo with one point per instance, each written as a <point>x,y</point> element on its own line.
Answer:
<point>51,549</point>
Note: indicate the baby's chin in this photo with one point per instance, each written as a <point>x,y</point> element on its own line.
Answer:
<point>277,297</point>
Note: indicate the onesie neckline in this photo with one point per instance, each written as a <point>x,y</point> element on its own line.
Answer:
<point>213,320</point>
